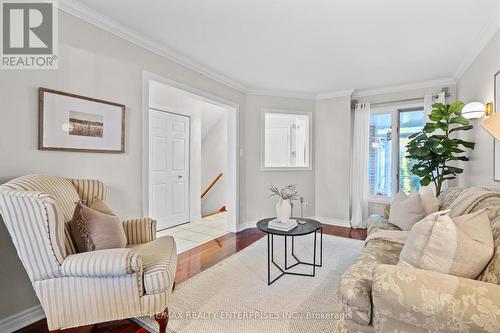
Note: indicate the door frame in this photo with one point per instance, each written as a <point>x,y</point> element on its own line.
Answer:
<point>232,171</point>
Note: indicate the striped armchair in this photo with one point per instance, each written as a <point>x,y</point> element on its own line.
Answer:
<point>78,289</point>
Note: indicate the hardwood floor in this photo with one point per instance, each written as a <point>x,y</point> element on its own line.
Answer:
<point>189,264</point>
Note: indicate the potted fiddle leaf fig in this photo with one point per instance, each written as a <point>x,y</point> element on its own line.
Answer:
<point>436,147</point>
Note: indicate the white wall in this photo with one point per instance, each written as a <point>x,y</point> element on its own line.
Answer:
<point>476,84</point>
<point>93,63</point>
<point>332,138</point>
<point>254,194</point>
<point>213,159</point>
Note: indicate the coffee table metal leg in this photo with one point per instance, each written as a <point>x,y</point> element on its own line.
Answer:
<point>321,249</point>
<point>314,256</point>
<point>268,261</point>
<point>286,254</point>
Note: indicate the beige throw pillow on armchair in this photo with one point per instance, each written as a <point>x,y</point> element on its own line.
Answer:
<point>96,227</point>
<point>406,210</point>
<point>461,246</point>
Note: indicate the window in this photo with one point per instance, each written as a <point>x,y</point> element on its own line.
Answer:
<point>410,121</point>
<point>380,154</point>
<point>286,140</point>
<point>388,168</point>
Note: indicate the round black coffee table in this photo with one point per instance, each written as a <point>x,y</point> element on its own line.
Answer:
<point>308,227</point>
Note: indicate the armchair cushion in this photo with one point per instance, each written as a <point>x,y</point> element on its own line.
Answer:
<point>102,263</point>
<point>415,300</point>
<point>159,263</point>
<point>140,230</point>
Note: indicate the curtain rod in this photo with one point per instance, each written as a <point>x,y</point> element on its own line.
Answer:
<point>403,100</point>
<point>446,91</point>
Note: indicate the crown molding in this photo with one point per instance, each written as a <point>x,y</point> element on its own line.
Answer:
<point>335,94</point>
<point>279,93</point>
<point>404,87</point>
<point>299,95</point>
<point>487,32</point>
<point>91,16</point>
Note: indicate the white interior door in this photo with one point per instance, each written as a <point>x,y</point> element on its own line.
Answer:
<point>168,168</point>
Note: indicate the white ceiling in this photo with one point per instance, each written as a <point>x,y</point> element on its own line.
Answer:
<point>307,46</point>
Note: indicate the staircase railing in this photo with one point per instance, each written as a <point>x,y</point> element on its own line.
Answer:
<point>212,184</point>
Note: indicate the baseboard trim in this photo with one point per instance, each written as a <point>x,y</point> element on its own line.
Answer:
<point>323,220</point>
<point>246,225</point>
<point>335,222</point>
<point>21,319</point>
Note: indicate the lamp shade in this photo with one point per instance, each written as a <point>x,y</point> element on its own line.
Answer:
<point>492,125</point>
<point>473,110</point>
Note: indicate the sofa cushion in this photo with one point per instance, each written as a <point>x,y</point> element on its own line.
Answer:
<point>159,263</point>
<point>356,282</point>
<point>491,273</point>
<point>461,246</point>
<point>406,210</point>
<point>429,200</point>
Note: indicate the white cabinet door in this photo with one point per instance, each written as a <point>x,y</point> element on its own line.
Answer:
<point>168,168</point>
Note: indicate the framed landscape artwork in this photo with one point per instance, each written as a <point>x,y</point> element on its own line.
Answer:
<point>71,122</point>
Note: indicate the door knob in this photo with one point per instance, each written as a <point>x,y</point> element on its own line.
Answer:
<point>179,176</point>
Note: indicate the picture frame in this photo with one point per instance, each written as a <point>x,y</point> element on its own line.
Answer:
<point>496,143</point>
<point>69,122</point>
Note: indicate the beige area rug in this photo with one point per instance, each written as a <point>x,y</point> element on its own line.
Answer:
<point>233,296</point>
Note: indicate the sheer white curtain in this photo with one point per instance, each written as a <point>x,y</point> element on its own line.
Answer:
<point>427,106</point>
<point>359,166</point>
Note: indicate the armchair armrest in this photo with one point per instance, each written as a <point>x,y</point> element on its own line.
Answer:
<point>101,263</point>
<point>415,300</point>
<point>140,230</point>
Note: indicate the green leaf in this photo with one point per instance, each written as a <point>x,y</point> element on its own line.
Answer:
<point>459,120</point>
<point>439,150</point>
<point>429,128</point>
<point>461,128</point>
<point>462,158</point>
<point>426,180</point>
<point>466,144</point>
<point>456,150</point>
<point>456,107</point>
<point>454,169</point>
<point>414,135</point>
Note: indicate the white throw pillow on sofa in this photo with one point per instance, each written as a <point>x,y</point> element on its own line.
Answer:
<point>406,210</point>
<point>429,200</point>
<point>461,246</point>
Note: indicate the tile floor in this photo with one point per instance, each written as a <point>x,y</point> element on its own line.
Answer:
<point>192,234</point>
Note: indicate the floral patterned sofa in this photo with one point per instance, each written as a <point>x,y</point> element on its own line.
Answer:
<point>379,296</point>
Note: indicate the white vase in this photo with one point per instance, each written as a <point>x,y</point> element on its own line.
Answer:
<point>283,210</point>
